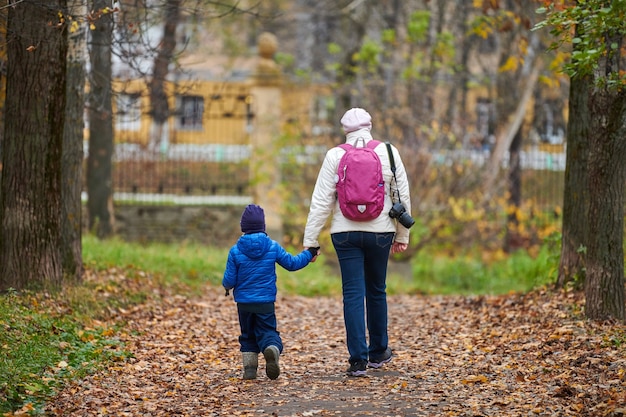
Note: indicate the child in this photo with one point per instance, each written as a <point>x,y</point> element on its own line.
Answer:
<point>251,273</point>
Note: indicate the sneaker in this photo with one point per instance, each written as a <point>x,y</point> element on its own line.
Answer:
<point>385,358</point>
<point>271,354</point>
<point>357,368</point>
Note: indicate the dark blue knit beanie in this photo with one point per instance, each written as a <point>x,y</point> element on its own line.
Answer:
<point>253,219</point>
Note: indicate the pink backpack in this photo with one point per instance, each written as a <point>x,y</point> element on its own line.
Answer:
<point>360,185</point>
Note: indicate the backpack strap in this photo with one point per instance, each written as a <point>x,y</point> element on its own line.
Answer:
<point>373,143</point>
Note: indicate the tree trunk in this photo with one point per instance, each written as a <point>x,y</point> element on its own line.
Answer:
<point>575,194</point>
<point>457,99</point>
<point>513,239</point>
<point>604,284</point>
<point>99,179</point>
<point>30,206</point>
<point>71,220</point>
<point>158,95</point>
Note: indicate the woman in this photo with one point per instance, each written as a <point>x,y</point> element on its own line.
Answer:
<point>362,247</point>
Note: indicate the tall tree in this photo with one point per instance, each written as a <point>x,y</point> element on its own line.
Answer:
<point>598,69</point>
<point>604,281</point>
<point>30,197</point>
<point>99,160</point>
<point>158,96</point>
<point>72,163</point>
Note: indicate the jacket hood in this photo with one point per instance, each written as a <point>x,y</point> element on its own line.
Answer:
<point>254,245</point>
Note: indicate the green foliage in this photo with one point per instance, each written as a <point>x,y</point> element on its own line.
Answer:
<point>445,51</point>
<point>500,19</point>
<point>389,36</point>
<point>417,27</point>
<point>415,70</point>
<point>334,48</point>
<point>369,54</point>
<point>594,28</point>
<point>43,349</point>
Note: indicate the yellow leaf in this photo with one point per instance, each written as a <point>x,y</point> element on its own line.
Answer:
<point>108,332</point>
<point>511,64</point>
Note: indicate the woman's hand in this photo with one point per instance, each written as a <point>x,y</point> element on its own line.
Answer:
<point>398,247</point>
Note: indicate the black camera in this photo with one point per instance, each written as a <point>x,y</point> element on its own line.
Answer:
<point>399,212</point>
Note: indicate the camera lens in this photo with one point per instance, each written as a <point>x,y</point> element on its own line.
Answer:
<point>406,220</point>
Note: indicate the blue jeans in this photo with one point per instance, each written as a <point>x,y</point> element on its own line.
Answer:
<point>258,331</point>
<point>363,258</point>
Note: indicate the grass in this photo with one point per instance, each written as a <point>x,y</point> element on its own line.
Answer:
<point>190,267</point>
<point>44,346</point>
<point>516,272</point>
<point>185,266</point>
<point>50,339</point>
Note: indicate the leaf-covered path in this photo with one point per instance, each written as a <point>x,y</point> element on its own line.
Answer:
<point>489,356</point>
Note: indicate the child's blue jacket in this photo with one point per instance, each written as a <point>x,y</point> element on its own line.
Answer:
<point>251,267</point>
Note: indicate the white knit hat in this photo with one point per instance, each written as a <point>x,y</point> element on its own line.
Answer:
<point>355,119</point>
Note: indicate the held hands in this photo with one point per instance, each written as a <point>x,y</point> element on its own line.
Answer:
<point>314,251</point>
<point>398,247</point>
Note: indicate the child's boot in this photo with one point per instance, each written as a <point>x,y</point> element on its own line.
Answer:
<point>250,364</point>
<point>271,354</point>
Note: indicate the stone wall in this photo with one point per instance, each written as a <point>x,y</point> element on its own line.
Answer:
<point>209,225</point>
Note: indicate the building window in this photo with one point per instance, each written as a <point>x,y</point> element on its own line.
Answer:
<point>128,112</point>
<point>191,112</point>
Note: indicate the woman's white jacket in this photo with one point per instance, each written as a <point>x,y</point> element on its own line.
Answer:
<point>324,199</point>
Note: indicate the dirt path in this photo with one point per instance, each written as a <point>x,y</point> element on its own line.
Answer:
<point>495,356</point>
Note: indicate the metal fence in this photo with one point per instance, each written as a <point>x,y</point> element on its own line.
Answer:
<point>183,174</point>
<point>220,174</point>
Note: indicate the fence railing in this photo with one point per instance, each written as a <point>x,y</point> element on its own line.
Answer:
<point>219,174</point>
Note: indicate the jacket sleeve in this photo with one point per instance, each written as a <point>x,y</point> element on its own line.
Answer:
<point>230,273</point>
<point>322,200</point>
<point>292,262</point>
<point>402,233</point>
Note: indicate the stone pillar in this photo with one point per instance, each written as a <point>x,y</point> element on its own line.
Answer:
<point>264,162</point>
